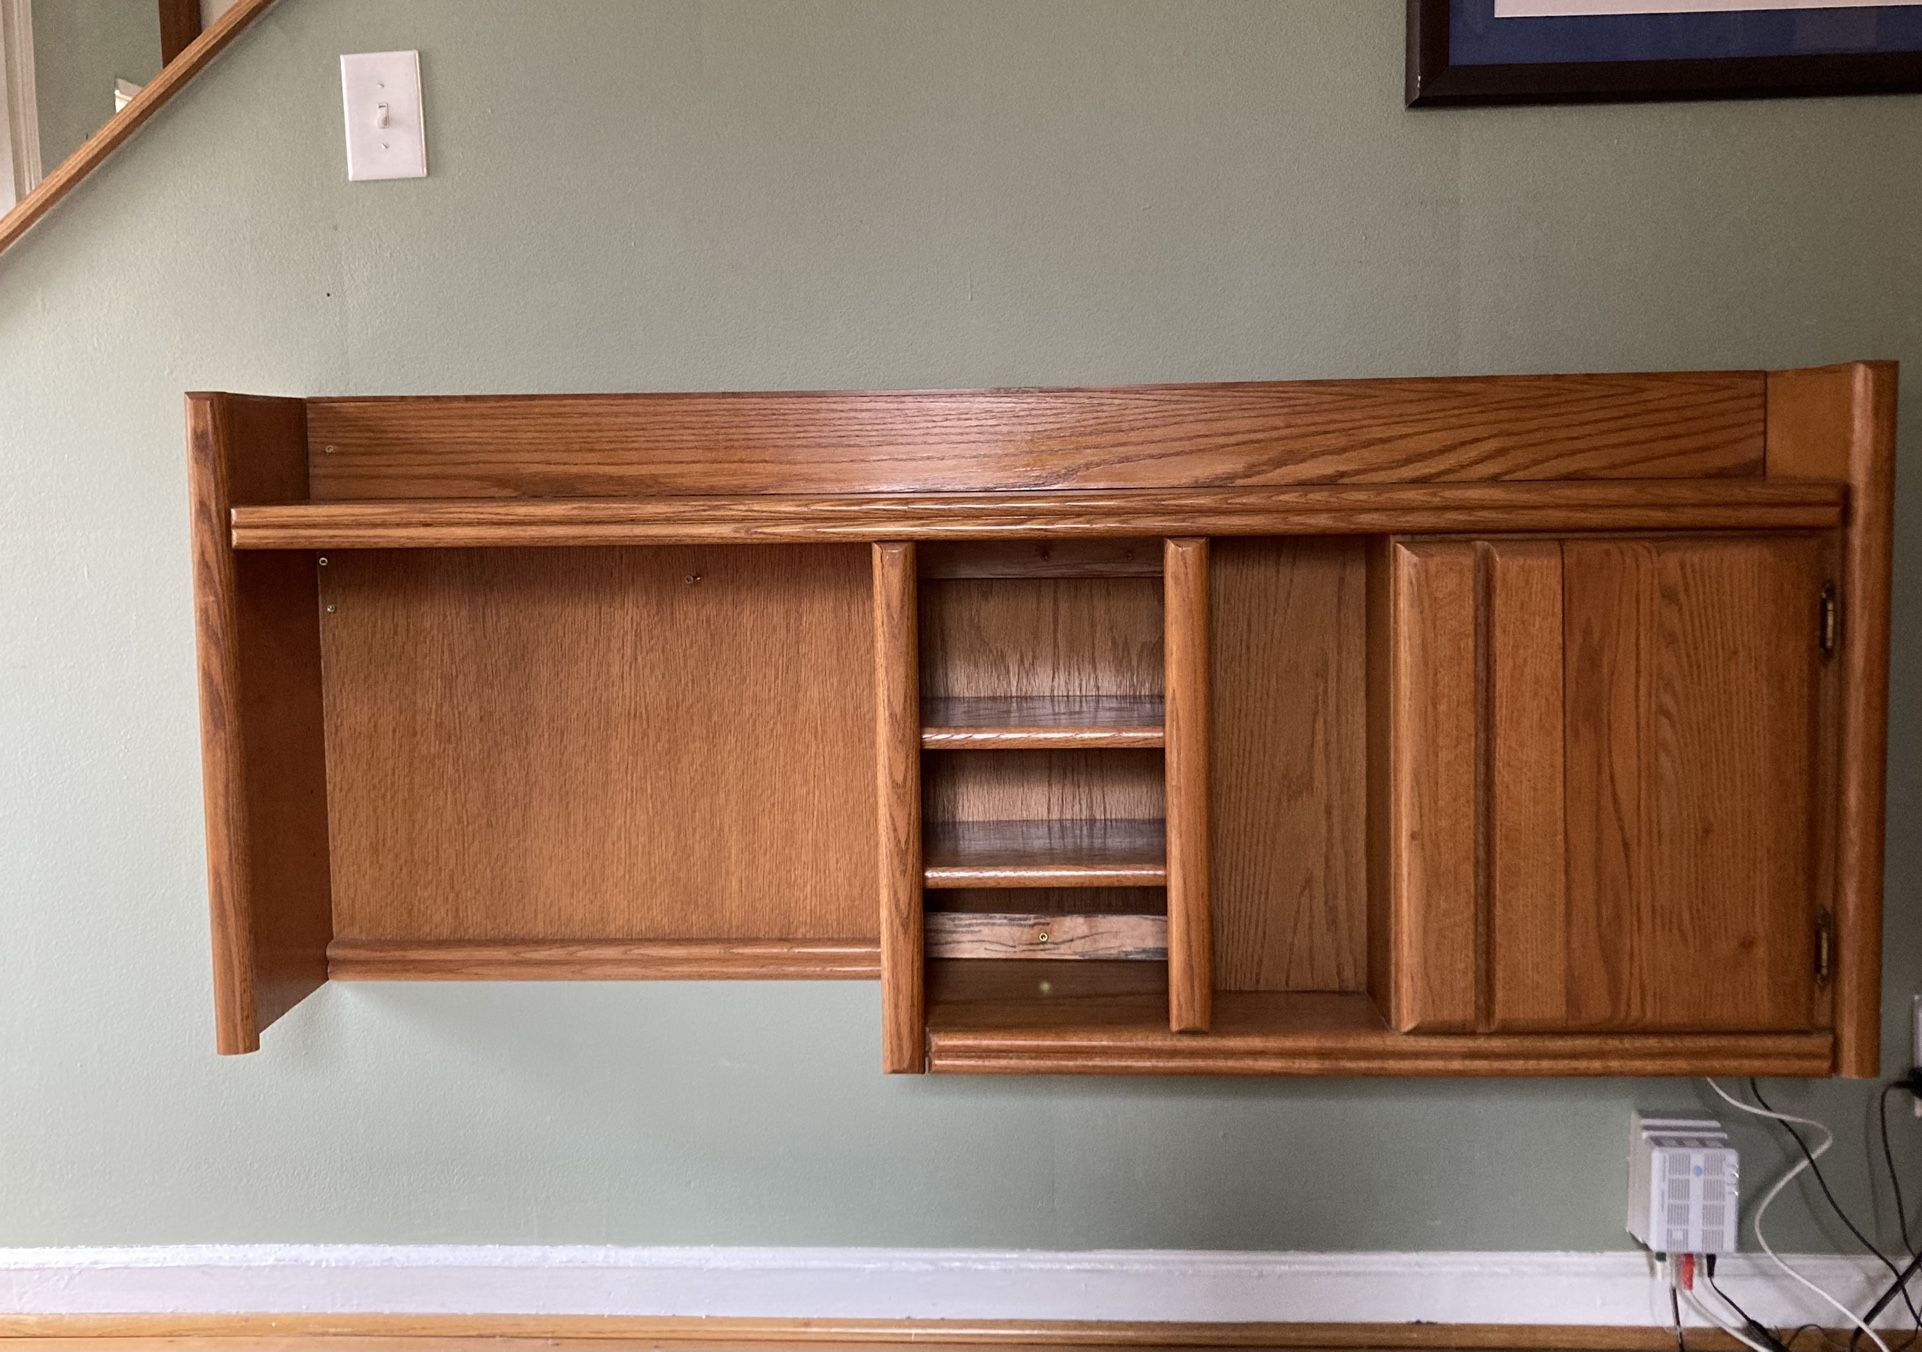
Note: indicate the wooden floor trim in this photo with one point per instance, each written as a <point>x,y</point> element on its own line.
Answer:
<point>508,1333</point>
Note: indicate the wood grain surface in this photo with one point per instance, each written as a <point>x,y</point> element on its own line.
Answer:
<point>1106,853</point>
<point>1057,637</point>
<point>1190,829</point>
<point>1092,557</point>
<point>1424,827</point>
<point>257,648</point>
<point>1682,425</point>
<point>1047,935</point>
<point>668,744</point>
<point>1526,953</point>
<point>1838,422</point>
<point>1690,679</point>
<point>1041,721</point>
<point>605,1333</point>
<point>992,513</point>
<point>1289,763</point>
<point>897,830</point>
<point>589,960</point>
<point>1108,1018</point>
<point>1024,785</point>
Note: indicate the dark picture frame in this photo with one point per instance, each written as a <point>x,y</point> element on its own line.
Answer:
<point>1436,80</point>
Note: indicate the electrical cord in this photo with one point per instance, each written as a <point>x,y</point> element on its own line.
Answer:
<point>1755,1326</point>
<point>1761,1208</point>
<point>1900,1285</point>
<point>1888,1156</point>
<point>1768,1342</point>
<point>1882,1302</point>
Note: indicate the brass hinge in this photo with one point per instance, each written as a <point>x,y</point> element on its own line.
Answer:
<point>1824,947</point>
<point>1831,618</point>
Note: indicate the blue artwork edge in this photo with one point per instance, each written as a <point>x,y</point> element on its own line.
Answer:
<point>1477,38</point>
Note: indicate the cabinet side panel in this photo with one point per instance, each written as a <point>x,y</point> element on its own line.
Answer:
<point>1691,707</point>
<point>672,743</point>
<point>1290,769</point>
<point>1528,950</point>
<point>1433,910</point>
<point>1838,422</point>
<point>262,749</point>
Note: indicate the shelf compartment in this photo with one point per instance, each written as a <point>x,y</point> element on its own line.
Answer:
<point>1111,1018</point>
<point>1041,722</point>
<point>1114,853</point>
<point>1025,936</point>
<point>1103,557</point>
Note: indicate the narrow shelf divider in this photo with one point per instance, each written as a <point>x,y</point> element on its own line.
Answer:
<point>1041,722</point>
<point>1096,853</point>
<point>897,715</point>
<point>1190,922</point>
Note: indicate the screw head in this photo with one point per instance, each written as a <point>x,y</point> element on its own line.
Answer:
<point>322,560</point>
<point>330,607</point>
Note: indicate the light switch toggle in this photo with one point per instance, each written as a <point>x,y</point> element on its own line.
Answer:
<point>386,121</point>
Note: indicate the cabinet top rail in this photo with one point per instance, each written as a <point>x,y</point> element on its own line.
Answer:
<point>1398,508</point>
<point>1677,425</point>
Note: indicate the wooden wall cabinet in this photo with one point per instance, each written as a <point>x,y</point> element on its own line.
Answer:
<point>1604,802</point>
<point>1522,725</point>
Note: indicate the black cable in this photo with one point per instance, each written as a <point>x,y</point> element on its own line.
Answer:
<point>1901,1284</point>
<point>1675,1309</point>
<point>1757,1327</point>
<point>1888,1158</point>
<point>1901,1281</point>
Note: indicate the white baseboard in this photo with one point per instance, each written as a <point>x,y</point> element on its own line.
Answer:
<point>1155,1285</point>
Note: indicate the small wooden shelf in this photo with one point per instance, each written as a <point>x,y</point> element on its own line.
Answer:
<point>1041,722</point>
<point>356,959</point>
<point>1111,1018</point>
<point>1046,854</point>
<point>1026,935</point>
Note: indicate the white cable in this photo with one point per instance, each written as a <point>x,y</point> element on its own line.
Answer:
<point>1761,1207</point>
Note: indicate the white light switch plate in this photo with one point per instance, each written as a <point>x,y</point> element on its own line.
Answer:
<point>386,129</point>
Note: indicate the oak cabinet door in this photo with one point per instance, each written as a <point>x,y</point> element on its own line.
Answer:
<point>1656,853</point>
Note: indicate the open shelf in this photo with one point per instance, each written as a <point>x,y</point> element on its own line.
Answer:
<point>1109,1018</point>
<point>1111,853</point>
<point>1041,722</point>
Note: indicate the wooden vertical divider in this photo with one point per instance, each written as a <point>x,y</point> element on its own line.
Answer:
<point>1838,422</point>
<point>1190,923</point>
<point>1424,924</point>
<point>263,754</point>
<point>897,758</point>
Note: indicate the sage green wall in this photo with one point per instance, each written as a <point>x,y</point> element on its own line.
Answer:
<point>862,193</point>
<point>80,47</point>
